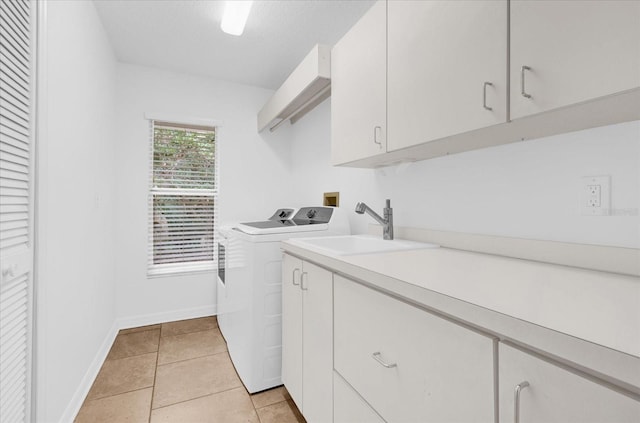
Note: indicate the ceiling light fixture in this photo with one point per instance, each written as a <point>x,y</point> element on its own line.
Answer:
<point>235,16</point>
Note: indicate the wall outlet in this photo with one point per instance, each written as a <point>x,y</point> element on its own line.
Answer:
<point>595,198</point>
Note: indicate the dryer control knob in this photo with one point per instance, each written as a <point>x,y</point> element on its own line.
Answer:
<point>311,214</point>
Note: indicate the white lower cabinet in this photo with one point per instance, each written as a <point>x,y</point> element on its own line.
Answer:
<point>348,406</point>
<point>408,364</point>
<point>550,394</point>
<point>307,337</point>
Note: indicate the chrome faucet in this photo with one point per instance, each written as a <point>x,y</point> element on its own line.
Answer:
<point>386,222</point>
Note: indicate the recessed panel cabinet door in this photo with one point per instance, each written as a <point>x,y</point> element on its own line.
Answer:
<point>292,327</point>
<point>554,395</point>
<point>358,89</point>
<point>317,343</point>
<point>447,68</point>
<point>408,364</point>
<point>572,51</point>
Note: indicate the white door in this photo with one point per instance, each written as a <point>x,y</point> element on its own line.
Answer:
<point>574,50</point>
<point>447,68</point>
<point>292,327</point>
<point>317,343</point>
<point>17,95</point>
<point>358,89</point>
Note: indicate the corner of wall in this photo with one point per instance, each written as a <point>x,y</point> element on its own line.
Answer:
<point>71,411</point>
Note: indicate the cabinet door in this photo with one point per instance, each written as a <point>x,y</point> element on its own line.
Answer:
<point>349,407</point>
<point>577,51</point>
<point>317,345</point>
<point>410,365</point>
<point>292,327</point>
<point>358,89</point>
<point>442,56</point>
<point>555,395</point>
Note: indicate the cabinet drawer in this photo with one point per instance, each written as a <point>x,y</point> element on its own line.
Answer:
<point>436,370</point>
<point>348,406</point>
<point>556,395</point>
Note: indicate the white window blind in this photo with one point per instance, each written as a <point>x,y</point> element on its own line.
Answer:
<point>182,198</point>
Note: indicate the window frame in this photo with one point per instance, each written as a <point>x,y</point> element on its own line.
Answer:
<point>183,268</point>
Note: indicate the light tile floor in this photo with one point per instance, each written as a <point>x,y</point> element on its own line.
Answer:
<point>178,372</point>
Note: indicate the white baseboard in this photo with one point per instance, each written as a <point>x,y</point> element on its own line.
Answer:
<point>169,316</point>
<point>92,372</point>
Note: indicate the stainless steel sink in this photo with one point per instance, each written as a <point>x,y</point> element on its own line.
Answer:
<point>357,244</point>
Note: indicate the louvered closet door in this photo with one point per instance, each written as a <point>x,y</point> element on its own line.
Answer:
<point>17,70</point>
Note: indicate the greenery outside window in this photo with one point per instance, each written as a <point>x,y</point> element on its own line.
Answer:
<point>182,198</point>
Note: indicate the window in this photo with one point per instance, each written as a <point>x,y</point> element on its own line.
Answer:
<point>182,198</point>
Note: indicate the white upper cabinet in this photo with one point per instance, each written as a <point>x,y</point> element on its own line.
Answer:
<point>463,75</point>
<point>447,68</point>
<point>572,51</point>
<point>358,98</point>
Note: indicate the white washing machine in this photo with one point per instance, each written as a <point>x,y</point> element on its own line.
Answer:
<point>249,287</point>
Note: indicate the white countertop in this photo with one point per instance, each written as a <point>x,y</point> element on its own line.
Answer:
<point>546,307</point>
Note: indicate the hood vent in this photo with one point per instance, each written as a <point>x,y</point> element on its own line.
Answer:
<point>307,86</point>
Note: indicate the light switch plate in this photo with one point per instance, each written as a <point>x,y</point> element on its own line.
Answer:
<point>595,197</point>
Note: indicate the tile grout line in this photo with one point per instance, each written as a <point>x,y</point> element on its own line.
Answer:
<point>155,373</point>
<point>119,393</point>
<point>268,405</point>
<point>134,332</point>
<point>202,396</point>
<point>187,333</point>
<point>193,358</point>
<point>129,356</point>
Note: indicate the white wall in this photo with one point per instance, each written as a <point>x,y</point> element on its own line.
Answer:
<point>254,177</point>
<point>529,189</point>
<point>75,263</point>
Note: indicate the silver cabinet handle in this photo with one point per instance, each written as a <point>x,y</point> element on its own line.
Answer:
<point>375,135</point>
<point>516,404</point>
<point>376,357</point>
<point>484,95</point>
<point>302,280</point>
<point>522,89</point>
<point>293,276</point>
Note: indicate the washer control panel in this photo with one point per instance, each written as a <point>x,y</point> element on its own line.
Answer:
<point>282,214</point>
<point>313,215</point>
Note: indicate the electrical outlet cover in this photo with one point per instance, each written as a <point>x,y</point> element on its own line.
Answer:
<point>595,196</point>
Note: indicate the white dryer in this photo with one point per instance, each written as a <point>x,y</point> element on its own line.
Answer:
<point>249,287</point>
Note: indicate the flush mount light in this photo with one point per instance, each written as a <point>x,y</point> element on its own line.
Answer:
<point>235,16</point>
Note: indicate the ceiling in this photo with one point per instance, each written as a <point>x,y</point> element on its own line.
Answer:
<point>185,35</point>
